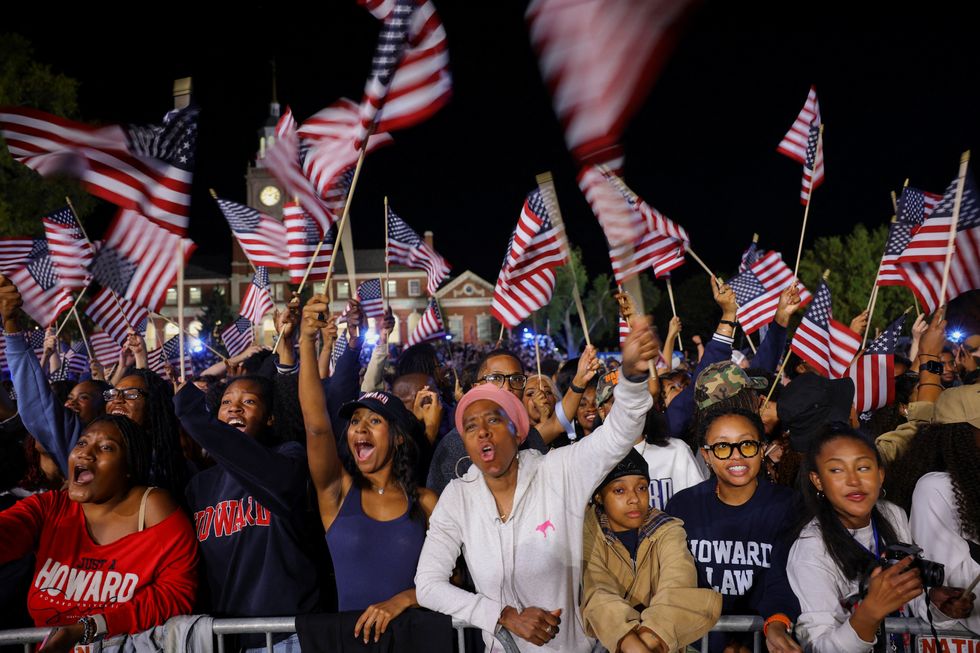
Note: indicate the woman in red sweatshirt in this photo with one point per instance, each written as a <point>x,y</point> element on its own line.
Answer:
<point>113,556</point>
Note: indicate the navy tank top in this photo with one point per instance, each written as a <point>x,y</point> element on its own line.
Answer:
<point>373,560</point>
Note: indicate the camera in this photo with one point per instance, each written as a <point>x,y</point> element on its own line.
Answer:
<point>933,573</point>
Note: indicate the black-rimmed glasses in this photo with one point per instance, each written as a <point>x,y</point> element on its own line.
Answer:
<point>129,394</point>
<point>515,381</point>
<point>723,450</point>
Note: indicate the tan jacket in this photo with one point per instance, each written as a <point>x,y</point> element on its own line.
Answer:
<point>893,444</point>
<point>661,593</point>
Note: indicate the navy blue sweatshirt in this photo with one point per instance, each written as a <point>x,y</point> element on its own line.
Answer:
<point>248,513</point>
<point>741,551</point>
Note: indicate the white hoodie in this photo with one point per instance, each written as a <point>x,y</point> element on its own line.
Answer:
<point>534,559</point>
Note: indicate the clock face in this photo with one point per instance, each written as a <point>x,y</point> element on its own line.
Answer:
<point>270,196</point>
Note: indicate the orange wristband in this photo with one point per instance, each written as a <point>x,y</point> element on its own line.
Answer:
<point>778,617</point>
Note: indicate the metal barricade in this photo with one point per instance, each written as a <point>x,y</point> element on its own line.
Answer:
<point>275,625</point>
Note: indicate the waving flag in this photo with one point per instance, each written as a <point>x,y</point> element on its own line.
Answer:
<point>302,238</point>
<point>339,348</point>
<point>238,336</point>
<point>116,315</point>
<point>257,300</point>
<point>873,373</point>
<point>527,277</point>
<point>430,326</point>
<point>369,295</point>
<point>71,251</point>
<point>141,168</point>
<point>639,236</point>
<point>406,247</point>
<point>915,205</point>
<point>756,305</point>
<point>822,341</point>
<point>924,259</point>
<point>804,144</point>
<point>600,59</point>
<point>43,293</point>
<point>14,253</point>
<point>262,238</point>
<point>138,259</point>
<point>409,78</point>
<point>104,348</point>
<point>751,255</point>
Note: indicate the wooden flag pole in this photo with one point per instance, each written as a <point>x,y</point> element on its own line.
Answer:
<point>81,332</point>
<point>951,242</point>
<point>874,295</point>
<point>182,332</point>
<point>387,265</point>
<point>806,211</point>
<point>73,306</point>
<point>673,307</point>
<point>180,305</point>
<point>547,186</point>
<point>500,338</point>
<point>698,260</point>
<point>537,352</point>
<point>77,219</point>
<point>119,307</point>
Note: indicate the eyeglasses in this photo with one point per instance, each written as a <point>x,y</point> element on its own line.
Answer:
<point>129,394</point>
<point>516,381</point>
<point>723,450</point>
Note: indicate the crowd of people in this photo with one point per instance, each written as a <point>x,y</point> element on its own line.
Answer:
<point>629,503</point>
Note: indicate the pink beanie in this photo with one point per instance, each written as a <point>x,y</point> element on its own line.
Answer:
<point>512,407</point>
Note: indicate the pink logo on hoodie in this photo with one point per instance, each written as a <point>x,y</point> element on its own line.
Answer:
<point>544,528</point>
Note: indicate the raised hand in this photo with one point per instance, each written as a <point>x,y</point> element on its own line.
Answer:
<point>314,316</point>
<point>860,322</point>
<point>789,303</point>
<point>640,349</point>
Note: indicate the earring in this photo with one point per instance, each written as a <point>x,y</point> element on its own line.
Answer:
<point>456,466</point>
<point>883,494</point>
<point>821,495</point>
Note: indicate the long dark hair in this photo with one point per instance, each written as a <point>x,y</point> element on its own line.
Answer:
<point>161,431</point>
<point>948,448</point>
<point>403,461</point>
<point>140,455</point>
<point>850,557</point>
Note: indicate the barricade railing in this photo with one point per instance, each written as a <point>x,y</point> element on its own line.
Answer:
<point>271,626</point>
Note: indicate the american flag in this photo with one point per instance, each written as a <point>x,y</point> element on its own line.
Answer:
<point>899,236</point>
<point>35,340</point>
<point>43,293</point>
<point>430,326</point>
<point>527,277</point>
<point>285,161</point>
<point>75,359</point>
<point>924,259</point>
<point>14,252</point>
<point>624,330</point>
<point>774,274</point>
<point>105,311</point>
<point>138,259</point>
<point>409,79</point>
<point>369,295</point>
<point>874,372</point>
<point>822,341</point>
<point>141,168</point>
<point>756,305</point>
<point>600,59</point>
<point>339,347</point>
<point>170,352</point>
<point>405,247</point>
<point>257,300</point>
<point>71,251</point>
<point>302,238</point>
<point>751,255</point>
<point>262,238</point>
<point>104,348</point>
<point>237,336</point>
<point>915,205</point>
<point>329,153</point>
<point>798,139</point>
<point>639,236</point>
<point>813,145</point>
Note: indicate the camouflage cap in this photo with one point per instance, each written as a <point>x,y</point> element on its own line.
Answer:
<point>604,388</point>
<point>722,380</point>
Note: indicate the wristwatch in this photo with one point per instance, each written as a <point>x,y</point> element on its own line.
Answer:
<point>933,367</point>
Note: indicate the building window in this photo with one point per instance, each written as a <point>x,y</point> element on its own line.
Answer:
<point>414,287</point>
<point>281,292</point>
<point>468,289</point>
<point>343,290</point>
<point>392,288</point>
<point>195,294</point>
<point>484,327</point>
<point>456,326</point>
<point>171,296</point>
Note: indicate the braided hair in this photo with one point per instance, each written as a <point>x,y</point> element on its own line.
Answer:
<point>161,428</point>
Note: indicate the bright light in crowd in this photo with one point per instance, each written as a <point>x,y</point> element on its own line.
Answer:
<point>196,346</point>
<point>371,337</point>
<point>449,336</point>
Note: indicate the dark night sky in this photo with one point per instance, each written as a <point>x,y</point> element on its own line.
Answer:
<point>899,97</point>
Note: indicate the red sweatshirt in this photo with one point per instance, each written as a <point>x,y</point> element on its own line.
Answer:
<point>137,582</point>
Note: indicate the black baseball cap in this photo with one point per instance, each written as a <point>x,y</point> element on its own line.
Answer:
<point>382,403</point>
<point>809,403</point>
<point>633,464</point>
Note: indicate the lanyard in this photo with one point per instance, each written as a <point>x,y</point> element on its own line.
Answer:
<point>874,532</point>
